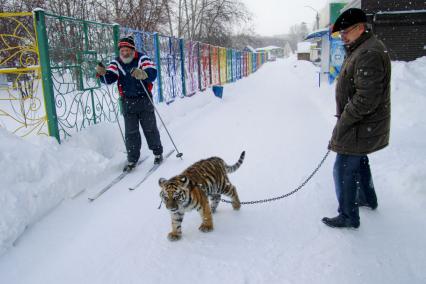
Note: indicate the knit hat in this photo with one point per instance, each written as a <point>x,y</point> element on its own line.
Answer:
<point>349,18</point>
<point>126,41</point>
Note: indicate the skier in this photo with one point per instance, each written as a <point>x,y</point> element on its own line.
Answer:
<point>129,69</point>
<point>363,112</point>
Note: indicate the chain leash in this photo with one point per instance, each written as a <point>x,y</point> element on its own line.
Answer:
<point>287,194</point>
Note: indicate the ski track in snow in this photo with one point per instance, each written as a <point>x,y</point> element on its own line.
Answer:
<point>283,121</point>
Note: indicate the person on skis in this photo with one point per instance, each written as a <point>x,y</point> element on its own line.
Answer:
<point>130,70</point>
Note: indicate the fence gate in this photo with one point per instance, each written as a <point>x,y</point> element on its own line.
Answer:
<point>21,96</point>
<point>69,51</point>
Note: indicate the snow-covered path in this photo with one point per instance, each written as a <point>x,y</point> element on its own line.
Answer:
<point>283,121</point>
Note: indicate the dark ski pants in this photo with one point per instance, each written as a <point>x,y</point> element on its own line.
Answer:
<point>146,119</point>
<point>354,183</point>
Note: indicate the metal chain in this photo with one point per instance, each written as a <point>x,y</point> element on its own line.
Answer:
<point>287,194</point>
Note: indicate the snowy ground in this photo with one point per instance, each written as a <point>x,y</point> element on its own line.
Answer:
<point>284,121</point>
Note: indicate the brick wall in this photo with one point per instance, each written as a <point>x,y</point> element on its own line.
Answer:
<point>374,6</point>
<point>404,34</point>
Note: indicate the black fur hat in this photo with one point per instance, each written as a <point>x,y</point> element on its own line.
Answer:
<point>349,18</point>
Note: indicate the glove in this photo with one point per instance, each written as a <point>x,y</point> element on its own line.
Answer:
<point>100,69</point>
<point>139,74</point>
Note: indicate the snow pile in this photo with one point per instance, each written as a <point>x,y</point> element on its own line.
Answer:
<point>36,175</point>
<point>283,120</point>
<point>407,171</point>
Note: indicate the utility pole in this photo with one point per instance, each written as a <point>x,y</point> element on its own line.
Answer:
<point>317,17</point>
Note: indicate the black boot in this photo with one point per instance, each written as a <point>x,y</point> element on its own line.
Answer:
<point>368,205</point>
<point>129,167</point>
<point>158,159</point>
<point>340,221</point>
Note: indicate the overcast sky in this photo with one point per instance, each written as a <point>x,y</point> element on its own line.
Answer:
<point>272,17</point>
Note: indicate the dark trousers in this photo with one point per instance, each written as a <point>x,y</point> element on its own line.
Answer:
<point>146,119</point>
<point>354,184</point>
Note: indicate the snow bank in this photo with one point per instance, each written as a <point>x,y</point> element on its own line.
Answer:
<point>37,174</point>
<point>407,173</point>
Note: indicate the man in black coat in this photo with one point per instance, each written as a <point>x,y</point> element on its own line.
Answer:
<point>130,70</point>
<point>363,111</point>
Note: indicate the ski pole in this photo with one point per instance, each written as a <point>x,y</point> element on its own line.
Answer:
<point>113,108</point>
<point>179,154</point>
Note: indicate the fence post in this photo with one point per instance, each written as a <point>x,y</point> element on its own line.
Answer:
<point>210,65</point>
<point>86,47</point>
<point>182,64</point>
<point>116,37</point>
<point>46,74</point>
<point>200,73</point>
<point>218,66</point>
<point>158,63</point>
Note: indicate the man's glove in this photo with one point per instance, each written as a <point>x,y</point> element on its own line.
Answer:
<point>139,74</point>
<point>100,69</point>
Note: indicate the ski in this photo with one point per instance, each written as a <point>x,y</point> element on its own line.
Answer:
<point>115,181</point>
<point>151,170</point>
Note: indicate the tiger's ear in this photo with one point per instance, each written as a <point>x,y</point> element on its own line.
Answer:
<point>161,181</point>
<point>184,180</point>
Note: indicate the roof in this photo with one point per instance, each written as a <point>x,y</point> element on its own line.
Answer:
<point>268,48</point>
<point>304,47</point>
<point>317,33</point>
<point>249,48</point>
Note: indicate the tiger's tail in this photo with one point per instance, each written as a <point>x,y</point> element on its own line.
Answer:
<point>233,168</point>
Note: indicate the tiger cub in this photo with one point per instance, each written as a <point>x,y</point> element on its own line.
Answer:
<point>191,189</point>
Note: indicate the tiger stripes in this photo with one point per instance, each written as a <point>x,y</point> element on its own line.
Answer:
<point>192,189</point>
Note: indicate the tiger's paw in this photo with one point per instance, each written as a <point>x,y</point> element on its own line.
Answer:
<point>174,237</point>
<point>206,228</point>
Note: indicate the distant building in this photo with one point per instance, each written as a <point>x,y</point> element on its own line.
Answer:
<point>401,25</point>
<point>330,12</point>
<point>304,51</point>
<point>249,48</point>
<point>272,51</point>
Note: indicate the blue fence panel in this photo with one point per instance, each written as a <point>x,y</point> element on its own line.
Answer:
<point>234,65</point>
<point>171,70</point>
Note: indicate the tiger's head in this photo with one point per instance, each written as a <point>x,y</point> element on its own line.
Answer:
<point>174,191</point>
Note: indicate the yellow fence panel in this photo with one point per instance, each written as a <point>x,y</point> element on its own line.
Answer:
<point>21,97</point>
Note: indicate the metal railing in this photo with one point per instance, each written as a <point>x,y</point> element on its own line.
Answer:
<point>48,70</point>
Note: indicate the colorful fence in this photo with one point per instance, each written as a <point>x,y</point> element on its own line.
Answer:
<point>214,65</point>
<point>48,83</point>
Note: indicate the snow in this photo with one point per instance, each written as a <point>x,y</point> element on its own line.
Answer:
<point>283,121</point>
<point>268,48</point>
<point>401,12</point>
<point>304,47</point>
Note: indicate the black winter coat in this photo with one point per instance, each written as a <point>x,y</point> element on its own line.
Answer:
<point>363,102</point>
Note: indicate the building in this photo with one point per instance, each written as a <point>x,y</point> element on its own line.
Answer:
<point>304,51</point>
<point>401,25</point>
<point>272,51</point>
<point>329,14</point>
<point>329,49</point>
<point>249,48</point>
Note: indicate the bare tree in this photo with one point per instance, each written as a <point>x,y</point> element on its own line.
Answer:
<point>211,21</point>
<point>297,34</point>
